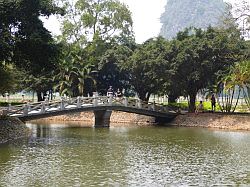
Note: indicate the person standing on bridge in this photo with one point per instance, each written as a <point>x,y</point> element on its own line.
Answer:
<point>118,93</point>
<point>110,91</point>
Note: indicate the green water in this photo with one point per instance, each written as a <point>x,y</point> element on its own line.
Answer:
<point>59,155</point>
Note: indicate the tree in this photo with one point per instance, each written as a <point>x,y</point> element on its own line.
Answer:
<point>146,67</point>
<point>73,74</point>
<point>88,20</point>
<point>232,84</point>
<point>242,10</point>
<point>25,41</point>
<point>110,71</point>
<point>94,27</point>
<point>84,75</point>
<point>10,79</point>
<point>240,13</point>
<point>202,55</point>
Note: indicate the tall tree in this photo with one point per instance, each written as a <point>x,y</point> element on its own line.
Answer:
<point>25,41</point>
<point>146,67</point>
<point>233,84</point>
<point>110,71</point>
<point>90,20</point>
<point>202,55</point>
<point>94,27</point>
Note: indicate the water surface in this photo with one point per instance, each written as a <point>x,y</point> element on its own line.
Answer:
<point>62,155</point>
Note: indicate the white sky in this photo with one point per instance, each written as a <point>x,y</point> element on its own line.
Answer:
<point>146,17</point>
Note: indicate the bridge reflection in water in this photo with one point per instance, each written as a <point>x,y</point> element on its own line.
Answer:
<point>102,106</point>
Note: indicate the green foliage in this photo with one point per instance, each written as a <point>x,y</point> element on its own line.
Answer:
<point>10,79</point>
<point>5,104</point>
<point>20,26</point>
<point>91,31</point>
<point>25,41</point>
<point>232,84</point>
<point>146,67</point>
<point>74,72</point>
<point>6,80</point>
<point>90,20</point>
<point>201,56</point>
<point>182,105</point>
<point>110,71</point>
<point>180,14</point>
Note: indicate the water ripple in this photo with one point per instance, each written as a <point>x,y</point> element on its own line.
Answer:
<point>127,157</point>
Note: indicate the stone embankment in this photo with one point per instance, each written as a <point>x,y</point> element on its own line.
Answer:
<point>12,129</point>
<point>207,120</point>
<point>214,120</point>
<point>117,119</point>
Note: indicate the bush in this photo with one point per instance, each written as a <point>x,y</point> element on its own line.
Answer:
<point>182,106</point>
<point>5,104</point>
<point>4,117</point>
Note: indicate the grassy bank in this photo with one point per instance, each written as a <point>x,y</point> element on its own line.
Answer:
<point>207,106</point>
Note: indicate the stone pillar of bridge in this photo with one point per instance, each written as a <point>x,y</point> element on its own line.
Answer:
<point>102,118</point>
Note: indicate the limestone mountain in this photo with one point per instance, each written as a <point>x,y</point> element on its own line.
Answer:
<point>180,14</point>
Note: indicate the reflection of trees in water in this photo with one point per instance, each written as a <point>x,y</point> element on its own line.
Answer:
<point>43,134</point>
<point>9,151</point>
<point>5,154</point>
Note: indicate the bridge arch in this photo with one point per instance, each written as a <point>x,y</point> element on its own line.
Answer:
<point>102,107</point>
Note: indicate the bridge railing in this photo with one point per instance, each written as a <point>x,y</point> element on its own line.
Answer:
<point>137,103</point>
<point>81,102</point>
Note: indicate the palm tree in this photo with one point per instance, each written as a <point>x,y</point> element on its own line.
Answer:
<point>238,77</point>
<point>83,72</point>
<point>65,79</point>
<point>242,78</point>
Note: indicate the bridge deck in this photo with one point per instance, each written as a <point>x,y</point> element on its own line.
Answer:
<point>31,111</point>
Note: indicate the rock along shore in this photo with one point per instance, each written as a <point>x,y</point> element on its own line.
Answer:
<point>123,119</point>
<point>214,120</point>
<point>12,129</point>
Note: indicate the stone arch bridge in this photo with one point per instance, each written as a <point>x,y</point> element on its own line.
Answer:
<point>102,106</point>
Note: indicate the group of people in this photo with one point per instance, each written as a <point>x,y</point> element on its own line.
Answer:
<point>200,107</point>
<point>110,92</point>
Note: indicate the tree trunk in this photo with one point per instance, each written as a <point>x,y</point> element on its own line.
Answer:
<point>51,94</point>
<point>172,98</point>
<point>192,99</point>
<point>39,96</point>
<point>143,96</point>
<point>147,97</point>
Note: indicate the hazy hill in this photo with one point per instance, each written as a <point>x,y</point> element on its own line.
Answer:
<point>180,14</point>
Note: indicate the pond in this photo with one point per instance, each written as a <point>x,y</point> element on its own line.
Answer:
<point>68,155</point>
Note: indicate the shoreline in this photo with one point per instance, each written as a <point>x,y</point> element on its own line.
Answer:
<point>12,129</point>
<point>214,120</point>
<point>123,119</point>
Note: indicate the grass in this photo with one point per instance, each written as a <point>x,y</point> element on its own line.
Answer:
<point>184,105</point>
<point>5,104</point>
